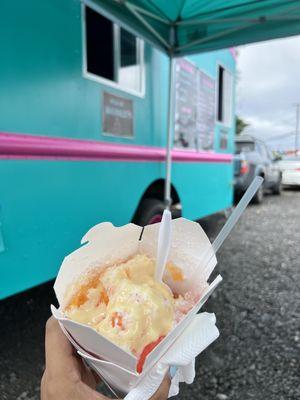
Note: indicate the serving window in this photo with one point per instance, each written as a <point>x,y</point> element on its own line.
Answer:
<point>224,101</point>
<point>113,55</point>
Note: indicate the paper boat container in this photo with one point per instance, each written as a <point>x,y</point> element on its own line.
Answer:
<point>105,245</point>
<point>118,379</point>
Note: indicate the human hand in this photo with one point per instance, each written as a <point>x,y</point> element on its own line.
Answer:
<point>66,377</point>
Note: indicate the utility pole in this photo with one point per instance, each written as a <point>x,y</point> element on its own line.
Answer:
<point>297,128</point>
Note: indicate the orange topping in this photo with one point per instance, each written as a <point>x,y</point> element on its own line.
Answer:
<point>81,296</point>
<point>117,320</point>
<point>145,352</point>
<point>175,272</point>
<point>103,297</point>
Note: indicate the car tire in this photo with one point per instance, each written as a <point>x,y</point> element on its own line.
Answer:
<point>259,195</point>
<point>150,211</point>
<point>277,189</point>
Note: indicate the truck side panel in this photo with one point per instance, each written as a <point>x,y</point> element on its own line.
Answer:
<point>46,206</point>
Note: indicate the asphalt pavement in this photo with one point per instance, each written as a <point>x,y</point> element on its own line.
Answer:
<point>257,308</point>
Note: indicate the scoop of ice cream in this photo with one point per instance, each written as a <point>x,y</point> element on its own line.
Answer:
<point>126,304</point>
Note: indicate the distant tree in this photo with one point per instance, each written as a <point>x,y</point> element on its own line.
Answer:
<point>240,125</point>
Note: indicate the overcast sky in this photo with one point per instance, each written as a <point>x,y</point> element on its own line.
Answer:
<point>269,86</point>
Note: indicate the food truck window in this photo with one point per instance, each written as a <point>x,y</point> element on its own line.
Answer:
<point>129,70</point>
<point>99,44</point>
<point>114,56</point>
<point>224,112</point>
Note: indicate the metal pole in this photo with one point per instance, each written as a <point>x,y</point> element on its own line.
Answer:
<point>168,200</point>
<point>297,128</point>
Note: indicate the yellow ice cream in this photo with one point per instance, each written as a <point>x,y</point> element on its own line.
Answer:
<point>125,304</point>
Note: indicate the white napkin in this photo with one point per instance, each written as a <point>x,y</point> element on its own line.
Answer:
<point>200,333</point>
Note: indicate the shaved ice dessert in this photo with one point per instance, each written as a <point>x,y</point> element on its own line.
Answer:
<point>127,305</point>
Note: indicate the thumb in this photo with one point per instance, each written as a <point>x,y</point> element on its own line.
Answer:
<point>163,390</point>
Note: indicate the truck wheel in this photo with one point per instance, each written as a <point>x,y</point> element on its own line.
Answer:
<point>259,195</point>
<point>150,211</point>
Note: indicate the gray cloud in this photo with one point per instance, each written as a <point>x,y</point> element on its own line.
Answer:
<point>269,86</point>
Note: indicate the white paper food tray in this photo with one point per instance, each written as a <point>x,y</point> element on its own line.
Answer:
<point>106,244</point>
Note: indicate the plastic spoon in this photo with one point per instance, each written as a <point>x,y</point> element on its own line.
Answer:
<point>233,219</point>
<point>163,245</point>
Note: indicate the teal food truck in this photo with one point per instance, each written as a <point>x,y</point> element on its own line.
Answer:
<point>102,119</point>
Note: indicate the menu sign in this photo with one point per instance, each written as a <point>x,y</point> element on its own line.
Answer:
<point>117,116</point>
<point>205,112</point>
<point>185,105</point>
<point>194,107</point>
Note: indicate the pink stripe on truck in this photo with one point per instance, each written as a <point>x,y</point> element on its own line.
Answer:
<point>19,146</point>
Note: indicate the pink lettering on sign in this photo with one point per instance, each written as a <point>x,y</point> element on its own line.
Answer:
<point>233,52</point>
<point>187,110</point>
<point>208,82</point>
<point>186,66</point>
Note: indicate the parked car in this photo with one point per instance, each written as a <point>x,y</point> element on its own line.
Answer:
<point>253,158</point>
<point>290,168</point>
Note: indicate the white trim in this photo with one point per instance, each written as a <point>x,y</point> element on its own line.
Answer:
<point>141,58</point>
<point>116,51</point>
<point>112,84</point>
<point>218,122</point>
<point>140,45</point>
